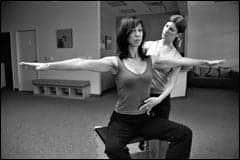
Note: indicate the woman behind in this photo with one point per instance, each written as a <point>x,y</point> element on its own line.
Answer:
<point>133,76</point>
<point>164,79</point>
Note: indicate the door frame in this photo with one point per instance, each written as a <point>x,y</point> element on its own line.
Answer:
<point>9,78</point>
<point>18,54</point>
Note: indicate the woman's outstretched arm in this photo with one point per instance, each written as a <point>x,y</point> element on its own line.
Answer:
<point>185,61</point>
<point>98,65</point>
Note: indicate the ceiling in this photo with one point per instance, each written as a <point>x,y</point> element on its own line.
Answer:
<point>126,8</point>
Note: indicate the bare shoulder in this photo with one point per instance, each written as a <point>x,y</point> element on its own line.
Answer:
<point>154,59</point>
<point>111,60</point>
<point>148,44</point>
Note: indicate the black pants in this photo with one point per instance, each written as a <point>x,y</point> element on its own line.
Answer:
<point>162,109</point>
<point>122,128</point>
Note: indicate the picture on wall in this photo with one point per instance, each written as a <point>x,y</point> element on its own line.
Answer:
<point>64,38</point>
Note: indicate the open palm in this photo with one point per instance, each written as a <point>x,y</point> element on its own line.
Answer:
<point>37,66</point>
<point>216,62</point>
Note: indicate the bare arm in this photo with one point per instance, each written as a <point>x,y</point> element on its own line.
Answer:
<point>170,84</point>
<point>147,45</point>
<point>184,61</point>
<point>153,101</point>
<point>98,65</point>
<point>186,68</point>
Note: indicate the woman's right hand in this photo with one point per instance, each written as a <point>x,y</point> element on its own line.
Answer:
<point>38,66</point>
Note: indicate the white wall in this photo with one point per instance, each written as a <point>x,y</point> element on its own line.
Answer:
<point>46,17</point>
<point>213,31</point>
<point>108,27</point>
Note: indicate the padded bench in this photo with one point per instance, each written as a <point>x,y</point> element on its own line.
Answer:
<point>62,88</point>
<point>102,133</point>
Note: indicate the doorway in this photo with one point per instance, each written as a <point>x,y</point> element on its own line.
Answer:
<point>27,51</point>
<point>6,60</point>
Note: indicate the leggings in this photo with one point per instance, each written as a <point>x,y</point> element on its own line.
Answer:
<point>162,109</point>
<point>157,148</point>
<point>122,128</point>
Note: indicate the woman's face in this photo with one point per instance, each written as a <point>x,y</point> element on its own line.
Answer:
<point>169,31</point>
<point>135,37</point>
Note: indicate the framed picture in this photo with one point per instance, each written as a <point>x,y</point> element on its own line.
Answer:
<point>108,43</point>
<point>64,38</point>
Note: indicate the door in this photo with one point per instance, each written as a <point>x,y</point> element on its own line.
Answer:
<point>27,52</point>
<point>6,62</point>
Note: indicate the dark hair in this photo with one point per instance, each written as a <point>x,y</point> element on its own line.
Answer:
<point>125,29</point>
<point>180,24</point>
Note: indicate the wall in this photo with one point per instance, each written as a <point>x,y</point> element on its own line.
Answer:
<point>108,27</point>
<point>213,31</point>
<point>46,17</point>
<point>154,24</point>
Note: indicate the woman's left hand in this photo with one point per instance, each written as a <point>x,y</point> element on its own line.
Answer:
<point>216,62</point>
<point>149,104</point>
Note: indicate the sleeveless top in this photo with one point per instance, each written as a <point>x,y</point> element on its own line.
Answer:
<point>160,75</point>
<point>132,88</point>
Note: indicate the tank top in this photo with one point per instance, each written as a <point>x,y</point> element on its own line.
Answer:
<point>160,75</point>
<point>132,88</point>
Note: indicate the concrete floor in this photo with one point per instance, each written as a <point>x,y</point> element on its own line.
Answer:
<point>44,127</point>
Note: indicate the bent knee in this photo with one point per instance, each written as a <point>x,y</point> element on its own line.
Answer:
<point>113,148</point>
<point>186,132</point>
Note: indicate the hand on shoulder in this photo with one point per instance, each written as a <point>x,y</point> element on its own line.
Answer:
<point>147,44</point>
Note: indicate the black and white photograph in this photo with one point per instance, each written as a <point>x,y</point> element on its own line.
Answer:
<point>119,79</point>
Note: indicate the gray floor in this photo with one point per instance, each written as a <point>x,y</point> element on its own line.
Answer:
<point>45,127</point>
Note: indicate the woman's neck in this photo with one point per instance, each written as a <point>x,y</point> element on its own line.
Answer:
<point>133,52</point>
<point>167,43</point>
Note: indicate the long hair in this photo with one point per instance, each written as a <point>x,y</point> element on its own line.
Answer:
<point>126,26</point>
<point>180,24</point>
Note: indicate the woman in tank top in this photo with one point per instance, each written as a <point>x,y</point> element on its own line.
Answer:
<point>133,77</point>
<point>164,79</point>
